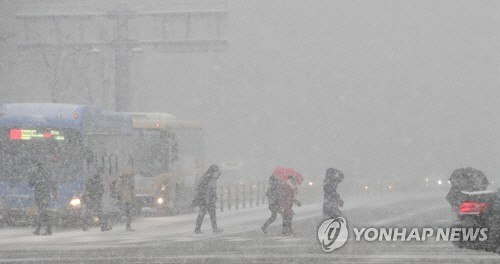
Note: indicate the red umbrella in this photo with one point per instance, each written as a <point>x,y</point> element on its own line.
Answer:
<point>282,174</point>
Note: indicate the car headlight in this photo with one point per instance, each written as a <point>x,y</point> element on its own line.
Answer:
<point>75,202</point>
<point>160,200</point>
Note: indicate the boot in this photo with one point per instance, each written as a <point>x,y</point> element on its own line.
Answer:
<point>48,232</point>
<point>218,230</point>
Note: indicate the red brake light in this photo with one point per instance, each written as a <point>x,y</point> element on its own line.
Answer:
<point>474,208</point>
<point>16,134</point>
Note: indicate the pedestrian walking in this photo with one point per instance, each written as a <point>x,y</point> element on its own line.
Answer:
<point>206,197</point>
<point>288,192</point>
<point>126,192</point>
<point>92,201</point>
<point>273,195</point>
<point>465,179</point>
<point>44,191</point>
<point>331,199</point>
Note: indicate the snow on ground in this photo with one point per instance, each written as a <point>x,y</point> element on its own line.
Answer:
<point>180,228</point>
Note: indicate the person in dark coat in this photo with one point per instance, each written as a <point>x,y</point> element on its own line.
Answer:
<point>287,193</point>
<point>273,195</point>
<point>92,200</point>
<point>465,179</point>
<point>44,190</point>
<point>206,196</point>
<point>126,192</point>
<point>331,199</point>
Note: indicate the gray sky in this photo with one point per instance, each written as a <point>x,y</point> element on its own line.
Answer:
<point>375,88</point>
<point>372,87</point>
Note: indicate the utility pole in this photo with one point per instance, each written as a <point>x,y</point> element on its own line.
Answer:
<point>122,44</point>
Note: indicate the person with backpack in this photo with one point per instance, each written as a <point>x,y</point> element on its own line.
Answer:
<point>465,179</point>
<point>273,194</point>
<point>44,191</point>
<point>124,187</point>
<point>206,197</point>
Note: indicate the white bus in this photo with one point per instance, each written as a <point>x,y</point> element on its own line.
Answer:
<point>169,155</point>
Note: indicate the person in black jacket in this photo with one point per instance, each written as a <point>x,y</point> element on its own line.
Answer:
<point>465,179</point>
<point>44,189</point>
<point>206,196</point>
<point>92,200</point>
<point>332,200</point>
<point>273,195</point>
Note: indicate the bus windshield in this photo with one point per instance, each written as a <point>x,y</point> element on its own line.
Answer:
<point>151,152</point>
<point>59,149</point>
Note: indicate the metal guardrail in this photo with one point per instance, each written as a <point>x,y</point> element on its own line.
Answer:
<point>241,196</point>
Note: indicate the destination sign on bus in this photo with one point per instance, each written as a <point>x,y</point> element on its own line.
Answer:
<point>32,134</point>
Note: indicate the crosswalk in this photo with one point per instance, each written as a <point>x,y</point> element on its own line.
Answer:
<point>172,240</point>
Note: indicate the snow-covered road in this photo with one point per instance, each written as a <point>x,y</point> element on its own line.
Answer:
<point>180,228</point>
<point>171,239</point>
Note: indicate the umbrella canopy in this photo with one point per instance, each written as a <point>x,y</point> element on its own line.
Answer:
<point>282,174</point>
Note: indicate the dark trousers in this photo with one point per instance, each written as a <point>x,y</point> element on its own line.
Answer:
<point>43,218</point>
<point>331,212</point>
<point>201,215</point>
<point>287,223</point>
<point>127,209</point>
<point>270,220</point>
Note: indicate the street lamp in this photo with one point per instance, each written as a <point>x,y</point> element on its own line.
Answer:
<point>137,50</point>
<point>95,50</point>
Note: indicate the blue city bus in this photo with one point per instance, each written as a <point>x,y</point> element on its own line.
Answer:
<point>72,142</point>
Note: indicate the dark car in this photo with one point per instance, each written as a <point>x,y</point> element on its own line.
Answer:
<point>480,210</point>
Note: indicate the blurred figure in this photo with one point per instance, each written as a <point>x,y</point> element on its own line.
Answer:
<point>273,194</point>
<point>92,200</point>
<point>126,192</point>
<point>44,190</point>
<point>288,191</point>
<point>465,179</point>
<point>331,199</point>
<point>206,196</point>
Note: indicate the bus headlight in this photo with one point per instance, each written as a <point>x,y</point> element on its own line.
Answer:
<point>160,201</point>
<point>75,202</point>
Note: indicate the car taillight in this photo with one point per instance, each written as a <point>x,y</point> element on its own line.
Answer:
<point>474,208</point>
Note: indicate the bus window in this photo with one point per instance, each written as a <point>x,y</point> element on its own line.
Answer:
<point>58,149</point>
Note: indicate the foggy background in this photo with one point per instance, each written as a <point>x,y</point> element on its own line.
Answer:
<point>399,89</point>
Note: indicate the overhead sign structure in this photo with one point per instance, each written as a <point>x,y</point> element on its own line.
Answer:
<point>199,27</point>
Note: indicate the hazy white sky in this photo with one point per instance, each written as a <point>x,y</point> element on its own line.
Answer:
<point>375,88</point>
<point>372,87</point>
